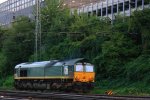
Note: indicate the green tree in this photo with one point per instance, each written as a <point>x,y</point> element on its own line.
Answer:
<point>139,24</point>
<point>1,37</point>
<point>55,17</point>
<point>115,54</point>
<point>18,43</point>
<point>139,69</point>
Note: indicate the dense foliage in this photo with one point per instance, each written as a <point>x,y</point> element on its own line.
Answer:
<point>17,45</point>
<point>118,51</point>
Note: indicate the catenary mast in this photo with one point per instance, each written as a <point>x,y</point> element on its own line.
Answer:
<point>37,55</point>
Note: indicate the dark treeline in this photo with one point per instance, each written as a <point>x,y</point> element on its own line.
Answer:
<point>118,51</point>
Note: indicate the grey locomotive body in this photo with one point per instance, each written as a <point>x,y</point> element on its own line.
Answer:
<point>51,74</point>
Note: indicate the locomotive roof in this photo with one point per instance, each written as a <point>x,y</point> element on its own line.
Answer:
<point>33,64</point>
<point>50,63</point>
<point>73,61</point>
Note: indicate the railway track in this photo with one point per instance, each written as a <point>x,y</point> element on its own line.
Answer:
<point>64,96</point>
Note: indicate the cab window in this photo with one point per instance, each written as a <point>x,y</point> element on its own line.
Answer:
<point>89,68</point>
<point>79,68</point>
<point>23,73</point>
<point>65,70</point>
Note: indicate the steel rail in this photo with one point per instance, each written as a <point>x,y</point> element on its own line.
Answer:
<point>68,96</point>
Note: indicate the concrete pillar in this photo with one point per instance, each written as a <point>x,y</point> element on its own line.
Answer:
<point>130,7</point>
<point>117,6</point>
<point>83,9</point>
<point>87,9</point>
<point>149,4</point>
<point>107,8</point>
<point>92,9</point>
<point>79,11</point>
<point>112,12</point>
<point>9,4</point>
<point>123,9</point>
<point>24,4</point>
<point>97,9</point>
<point>142,4</point>
<point>102,9</point>
<point>135,4</point>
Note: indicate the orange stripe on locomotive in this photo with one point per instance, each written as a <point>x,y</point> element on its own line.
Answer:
<point>84,77</point>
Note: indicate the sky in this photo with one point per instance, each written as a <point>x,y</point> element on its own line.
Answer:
<point>2,1</point>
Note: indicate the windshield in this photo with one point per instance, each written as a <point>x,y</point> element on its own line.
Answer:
<point>84,68</point>
<point>79,68</point>
<point>89,68</point>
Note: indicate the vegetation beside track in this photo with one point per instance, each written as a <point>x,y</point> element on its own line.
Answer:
<point>121,87</point>
<point>7,83</point>
<point>120,52</point>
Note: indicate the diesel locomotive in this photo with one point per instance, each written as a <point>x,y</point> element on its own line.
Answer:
<point>55,74</point>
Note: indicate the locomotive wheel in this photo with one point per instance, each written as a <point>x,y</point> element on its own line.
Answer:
<point>68,89</point>
<point>82,87</point>
<point>29,85</point>
<point>24,85</point>
<point>77,88</point>
<point>53,86</point>
<point>35,85</point>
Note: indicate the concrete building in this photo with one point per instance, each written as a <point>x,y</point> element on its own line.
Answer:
<point>107,8</point>
<point>13,8</point>
<point>110,8</point>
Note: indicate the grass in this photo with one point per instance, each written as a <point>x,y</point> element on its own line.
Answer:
<point>7,83</point>
<point>122,88</point>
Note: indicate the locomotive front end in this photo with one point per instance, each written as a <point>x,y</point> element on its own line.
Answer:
<point>84,72</point>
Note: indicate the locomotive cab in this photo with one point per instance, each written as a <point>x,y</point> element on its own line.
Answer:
<point>84,72</point>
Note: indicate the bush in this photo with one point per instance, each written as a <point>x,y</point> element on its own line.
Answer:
<point>8,82</point>
<point>139,69</point>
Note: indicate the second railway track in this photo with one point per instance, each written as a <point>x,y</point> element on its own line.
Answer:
<point>66,96</point>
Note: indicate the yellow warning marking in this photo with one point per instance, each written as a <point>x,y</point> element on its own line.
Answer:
<point>109,92</point>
